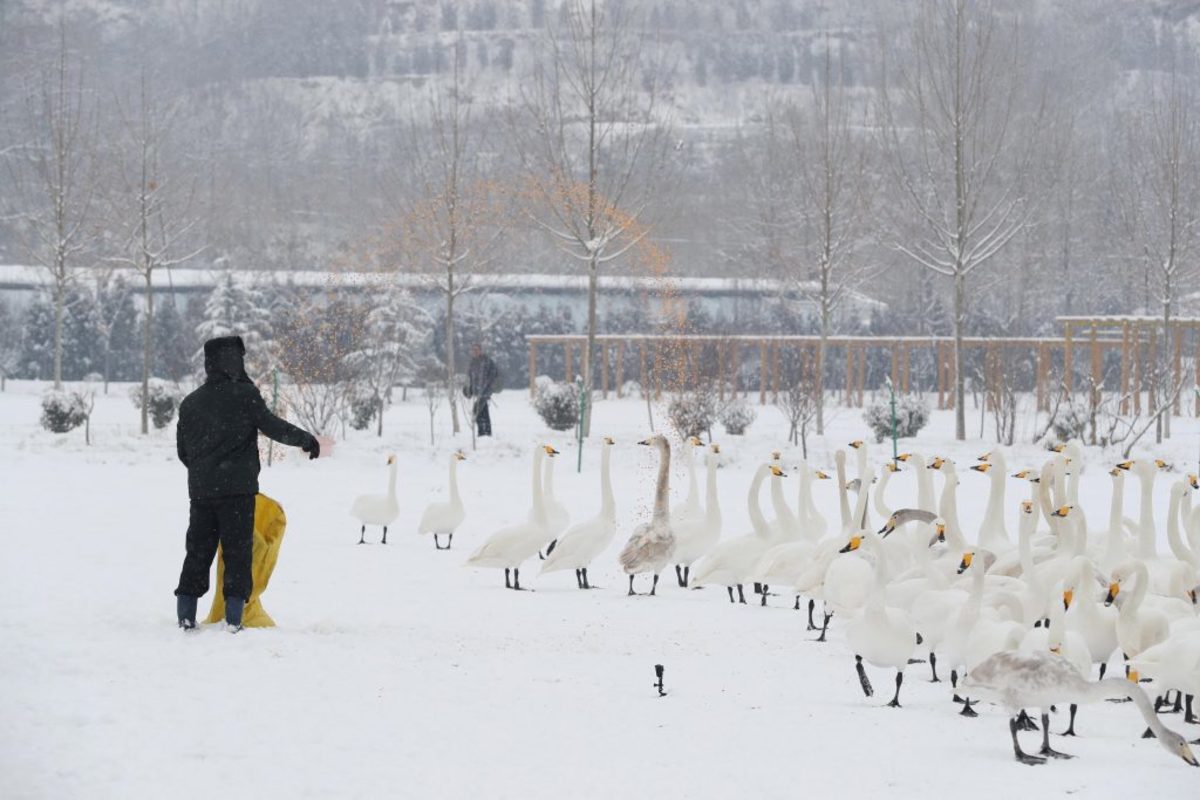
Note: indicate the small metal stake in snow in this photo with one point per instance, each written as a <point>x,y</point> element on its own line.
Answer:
<point>583,402</point>
<point>887,379</point>
<point>658,673</point>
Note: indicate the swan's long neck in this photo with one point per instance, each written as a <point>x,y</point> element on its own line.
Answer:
<point>881,506</point>
<point>1025,544</point>
<point>608,508</point>
<point>1116,513</point>
<point>783,511</point>
<point>1134,604</point>
<point>1178,547</point>
<point>549,485</point>
<point>1146,530</point>
<point>925,500</point>
<point>689,462</point>
<point>861,460</point>
<point>948,508</point>
<point>1060,480</point>
<point>454,480</point>
<point>712,508</point>
<point>804,504</point>
<point>1055,634</point>
<point>875,601</point>
<point>539,508</point>
<point>1112,688</point>
<point>992,530</point>
<point>843,497</point>
<point>662,511</point>
<point>392,481</point>
<point>1044,499</point>
<point>860,508</point>
<point>757,520</point>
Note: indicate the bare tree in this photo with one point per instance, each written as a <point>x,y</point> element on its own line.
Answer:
<point>154,217</point>
<point>950,127</point>
<point>454,221</point>
<point>799,403</point>
<point>833,199</point>
<point>54,178</point>
<point>593,142</point>
<point>1159,202</point>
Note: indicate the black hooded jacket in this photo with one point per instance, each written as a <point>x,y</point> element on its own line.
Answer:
<point>219,423</point>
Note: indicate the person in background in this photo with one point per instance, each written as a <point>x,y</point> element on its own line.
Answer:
<point>481,383</point>
<point>217,440</point>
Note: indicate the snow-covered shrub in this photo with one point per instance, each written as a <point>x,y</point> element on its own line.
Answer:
<point>63,411</point>
<point>692,413</point>
<point>1071,422</point>
<point>164,401</point>
<point>631,389</point>
<point>363,408</point>
<point>911,416</point>
<point>556,403</point>
<point>737,416</point>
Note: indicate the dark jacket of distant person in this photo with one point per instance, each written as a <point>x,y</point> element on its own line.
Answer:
<point>219,423</point>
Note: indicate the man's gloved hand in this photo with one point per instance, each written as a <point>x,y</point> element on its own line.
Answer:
<point>313,448</point>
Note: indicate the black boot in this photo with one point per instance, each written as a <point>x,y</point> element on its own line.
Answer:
<point>185,610</point>
<point>233,613</point>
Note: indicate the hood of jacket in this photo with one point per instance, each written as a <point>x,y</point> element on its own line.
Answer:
<point>224,359</point>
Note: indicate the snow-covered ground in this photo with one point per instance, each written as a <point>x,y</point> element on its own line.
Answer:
<point>396,671</point>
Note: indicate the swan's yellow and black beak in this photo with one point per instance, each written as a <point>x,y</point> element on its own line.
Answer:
<point>965,564</point>
<point>1057,650</point>
<point>1192,596</point>
<point>821,476</point>
<point>391,460</point>
<point>937,463</point>
<point>892,466</point>
<point>1061,511</point>
<point>1114,472</point>
<point>609,440</point>
<point>854,543</point>
<point>904,457</point>
<point>1114,589</point>
<point>1068,596</point>
<point>550,451</point>
<point>777,472</point>
<point>1022,475</point>
<point>695,441</point>
<point>460,456</point>
<point>1187,755</point>
<point>1193,481</point>
<point>776,455</point>
<point>888,526</point>
<point>984,467</point>
<point>1026,506</point>
<point>941,532</point>
<point>985,457</point>
<point>1158,462</point>
<point>716,448</point>
<point>644,441</point>
<point>1125,465</point>
<point>857,443</point>
<point>1058,448</point>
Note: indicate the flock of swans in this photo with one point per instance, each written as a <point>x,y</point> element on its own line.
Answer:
<point>1022,623</point>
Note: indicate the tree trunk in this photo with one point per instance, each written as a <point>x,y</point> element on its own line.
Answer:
<point>450,393</point>
<point>59,303</point>
<point>146,350</point>
<point>960,417</point>
<point>590,347</point>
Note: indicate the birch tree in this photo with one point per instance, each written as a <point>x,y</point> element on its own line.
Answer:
<point>54,179</point>
<point>955,144</point>
<point>593,141</point>
<point>154,209</point>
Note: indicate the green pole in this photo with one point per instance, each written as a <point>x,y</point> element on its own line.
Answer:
<point>892,390</point>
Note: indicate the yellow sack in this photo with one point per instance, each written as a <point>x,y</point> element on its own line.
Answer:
<point>269,524</point>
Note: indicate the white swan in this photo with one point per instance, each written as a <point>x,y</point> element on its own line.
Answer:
<point>1137,629</point>
<point>508,547</point>
<point>811,518</point>
<point>583,542</point>
<point>652,543</point>
<point>993,535</point>
<point>1055,638</point>
<point>1096,623</point>
<point>694,538</point>
<point>377,509</point>
<point>1038,680</point>
<point>878,498</point>
<point>849,578</point>
<point>786,525</point>
<point>557,517</point>
<point>445,517</point>
<point>883,635</point>
<point>731,563</point>
<point>690,508</point>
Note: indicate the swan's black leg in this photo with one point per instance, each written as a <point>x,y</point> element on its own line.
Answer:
<point>1189,715</point>
<point>825,626</point>
<point>1047,750</point>
<point>811,605</point>
<point>1022,756</point>
<point>449,539</point>
<point>862,676</point>
<point>797,606</point>
<point>757,587</point>
<point>578,579</point>
<point>679,576</point>
<point>1070,731</point>
<point>954,685</point>
<point>896,699</point>
<point>1103,668</point>
<point>507,582</point>
<point>517,578</point>
<point>741,595</point>
<point>1178,702</point>
<point>362,535</point>
<point>730,590</point>
<point>687,574</point>
<point>586,585</point>
<point>1026,722</point>
<point>384,535</point>
<point>436,546</point>
<point>764,596</point>
<point>631,591</point>
<point>550,547</point>
<point>933,667</point>
<point>654,586</point>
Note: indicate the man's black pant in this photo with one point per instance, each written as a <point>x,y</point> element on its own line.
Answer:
<point>483,420</point>
<point>229,521</point>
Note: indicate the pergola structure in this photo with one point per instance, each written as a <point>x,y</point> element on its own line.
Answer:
<point>1134,338</point>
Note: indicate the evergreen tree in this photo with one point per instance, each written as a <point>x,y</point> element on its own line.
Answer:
<point>236,310</point>
<point>173,346</point>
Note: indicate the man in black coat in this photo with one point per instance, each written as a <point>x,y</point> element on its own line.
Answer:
<point>217,440</point>
<point>481,383</point>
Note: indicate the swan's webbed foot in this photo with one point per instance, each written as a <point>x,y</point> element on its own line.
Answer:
<point>1070,731</point>
<point>824,627</point>
<point>1148,734</point>
<point>631,592</point>
<point>1026,723</point>
<point>1020,754</point>
<point>654,586</point>
<point>862,677</point>
<point>586,583</point>
<point>1047,750</point>
<point>362,535</point>
<point>967,711</point>
<point>811,605</point>
<point>384,535</point>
